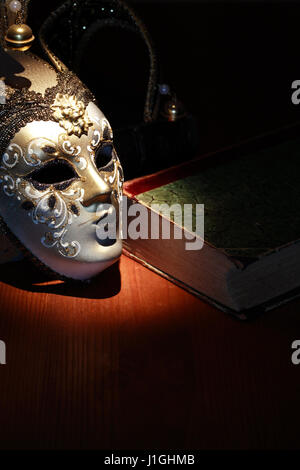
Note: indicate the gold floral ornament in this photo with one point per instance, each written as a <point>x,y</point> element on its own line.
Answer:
<point>71,114</point>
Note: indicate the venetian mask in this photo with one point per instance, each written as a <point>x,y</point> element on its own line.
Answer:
<point>60,176</point>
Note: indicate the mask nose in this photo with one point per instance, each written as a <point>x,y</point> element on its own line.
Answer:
<point>96,190</point>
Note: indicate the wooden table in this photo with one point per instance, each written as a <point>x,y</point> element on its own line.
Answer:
<point>132,361</point>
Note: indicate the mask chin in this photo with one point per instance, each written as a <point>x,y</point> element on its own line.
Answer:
<point>79,270</point>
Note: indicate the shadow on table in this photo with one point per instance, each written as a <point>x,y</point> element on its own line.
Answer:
<point>24,275</point>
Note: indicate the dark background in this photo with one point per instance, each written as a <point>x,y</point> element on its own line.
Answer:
<point>231,63</point>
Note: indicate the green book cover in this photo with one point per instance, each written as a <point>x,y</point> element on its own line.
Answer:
<point>252,203</point>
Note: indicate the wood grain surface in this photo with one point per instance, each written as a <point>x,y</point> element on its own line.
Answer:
<point>132,361</point>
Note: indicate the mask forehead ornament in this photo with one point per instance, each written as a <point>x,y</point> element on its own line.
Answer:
<point>71,114</point>
<point>60,175</point>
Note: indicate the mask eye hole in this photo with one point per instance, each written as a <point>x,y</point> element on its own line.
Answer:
<point>104,156</point>
<point>58,173</point>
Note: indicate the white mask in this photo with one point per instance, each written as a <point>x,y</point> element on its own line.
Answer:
<point>58,170</point>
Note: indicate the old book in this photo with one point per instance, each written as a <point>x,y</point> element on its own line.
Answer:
<point>250,259</point>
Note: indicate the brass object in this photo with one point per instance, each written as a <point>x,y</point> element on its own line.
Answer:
<point>173,110</point>
<point>19,37</point>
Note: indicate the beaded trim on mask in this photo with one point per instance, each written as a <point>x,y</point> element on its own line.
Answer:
<point>24,106</point>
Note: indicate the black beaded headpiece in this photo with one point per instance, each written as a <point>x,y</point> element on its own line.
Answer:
<point>79,20</point>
